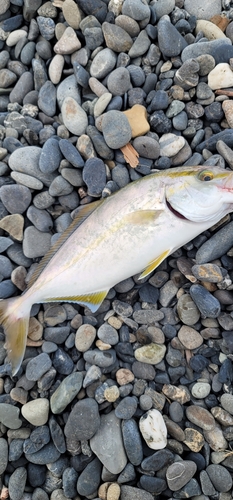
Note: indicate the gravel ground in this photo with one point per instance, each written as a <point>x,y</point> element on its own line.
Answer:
<point>79,80</point>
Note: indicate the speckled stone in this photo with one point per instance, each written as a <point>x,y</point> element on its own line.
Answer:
<point>116,129</point>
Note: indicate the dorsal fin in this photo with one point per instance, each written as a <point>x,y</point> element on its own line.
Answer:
<point>79,219</point>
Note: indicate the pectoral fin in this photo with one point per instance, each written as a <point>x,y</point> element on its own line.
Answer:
<point>142,217</point>
<point>91,300</point>
<point>153,264</point>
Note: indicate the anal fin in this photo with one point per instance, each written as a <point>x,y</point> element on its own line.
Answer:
<point>153,264</point>
<point>91,300</point>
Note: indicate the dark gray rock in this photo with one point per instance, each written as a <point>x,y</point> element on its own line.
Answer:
<point>94,175</point>
<point>171,42</point>
<point>17,483</point>
<point>89,479</point>
<point>132,441</point>
<point>47,98</point>
<point>207,304</point>
<point>16,198</point>
<point>83,421</point>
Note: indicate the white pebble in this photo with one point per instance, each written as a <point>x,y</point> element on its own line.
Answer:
<point>153,429</point>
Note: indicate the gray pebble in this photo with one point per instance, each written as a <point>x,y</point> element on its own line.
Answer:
<point>27,53</point>
<point>3,455</point>
<point>171,42</point>
<point>5,266</point>
<point>35,243</point>
<point>116,38</point>
<point>7,289</point>
<point>43,200</point>
<point>89,479</point>
<point>103,359</point>
<point>62,362</point>
<point>126,408</point>
<point>140,45</point>
<point>7,78</point>
<point>16,198</point>
<point>47,98</point>
<point>48,454</point>
<point>220,477</point>
<point>132,493</point>
<point>17,483</point>
<point>74,177</point>
<point>68,88</point>
<point>136,9</point>
<point>46,27</point>
<point>15,253</point>
<point>9,416</point>
<point>94,175</point>
<point>116,129</point>
<point>80,427</point>
<point>120,175</point>
<point>98,141</point>
<point>103,63</point>
<point>207,304</point>
<point>132,441</point>
<point>118,81</point>
<point>108,334</point>
<point>179,473</point>
<point>71,153</point>
<point>216,246</point>
<point>38,366</point>
<point>198,49</point>
<point>60,187</point>
<point>43,49</point>
<point>137,75</point>
<point>5,243</point>
<point>180,121</point>
<point>66,392</point>
<point>51,156</point>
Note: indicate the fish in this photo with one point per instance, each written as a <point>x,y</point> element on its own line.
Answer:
<point>130,232</point>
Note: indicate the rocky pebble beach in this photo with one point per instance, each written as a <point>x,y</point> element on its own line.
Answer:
<point>134,402</point>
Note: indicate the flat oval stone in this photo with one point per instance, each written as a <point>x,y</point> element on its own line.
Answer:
<point>74,116</point>
<point>201,417</point>
<point>153,429</point>
<point>118,81</point>
<point>132,441</point>
<point>150,353</point>
<point>51,156</point>
<point>189,337</point>
<point>171,42</point>
<point>170,144</point>
<point>116,38</point>
<point>208,305</point>
<point>197,49</point>
<point>180,473</point>
<point>103,63</point>
<point>9,416</point>
<point>94,175</point>
<point>83,421</point>
<point>66,392</point>
<point>36,412</point>
<point>16,198</point>
<point>116,129</point>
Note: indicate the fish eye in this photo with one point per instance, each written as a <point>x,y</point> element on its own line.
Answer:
<point>205,175</point>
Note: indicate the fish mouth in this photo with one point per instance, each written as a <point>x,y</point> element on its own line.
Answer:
<point>175,212</point>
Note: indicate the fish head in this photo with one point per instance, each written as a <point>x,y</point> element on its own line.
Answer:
<point>199,194</point>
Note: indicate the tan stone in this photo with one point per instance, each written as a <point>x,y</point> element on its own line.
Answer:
<point>227,107</point>
<point>68,42</point>
<point>35,330</point>
<point>71,13</point>
<point>55,68</point>
<point>193,439</point>
<point>124,376</point>
<point>180,394</point>
<point>15,36</point>
<point>221,21</point>
<point>112,393</point>
<point>137,117</point>
<point>18,276</point>
<point>210,30</point>
<point>113,492</point>
<point>102,346</point>
<point>189,337</point>
<point>13,225</point>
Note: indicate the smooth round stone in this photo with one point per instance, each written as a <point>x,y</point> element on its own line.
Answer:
<point>16,198</point>
<point>9,416</point>
<point>74,116</point>
<point>136,9</point>
<point>116,129</point>
<point>180,121</point>
<point>131,493</point>
<point>71,154</point>
<point>112,455</point>
<point>153,484</point>
<point>38,366</point>
<point>126,408</point>
<point>51,156</point>
<point>207,304</point>
<point>99,143</point>
<point>83,421</point>
<point>116,38</point>
<point>23,86</point>
<point>203,11</point>
<point>7,78</point>
<point>189,337</point>
<point>66,392</point>
<point>209,29</point>
<point>14,37</point>
<point>27,53</point>
<point>68,43</point>
<point>180,473</point>
<point>62,362</point>
<point>153,429</point>
<point>103,63</point>
<point>94,175</point>
<point>171,42</point>
<point>140,45</point>
<point>108,334</point>
<point>206,63</point>
<point>4,58</point>
<point>227,108</point>
<point>128,24</point>
<point>118,81</point>
<point>187,310</point>
<point>27,180</point>
<point>201,417</point>
<point>201,390</point>
<point>36,412</point>
<point>56,68</point>
<point>195,50</point>
<point>170,144</point>
<point>43,48</point>
<point>220,477</point>
<point>89,479</point>
<point>85,337</point>
<point>35,243</point>
<point>47,455</point>
<point>227,402</point>
<point>162,7</point>
<point>158,460</point>
<point>68,88</point>
<point>60,187</point>
<point>47,98</point>
<point>46,27</point>
<point>159,101</point>
<point>132,441</point>
<point>151,353</point>
<point>137,75</point>
<point>17,482</point>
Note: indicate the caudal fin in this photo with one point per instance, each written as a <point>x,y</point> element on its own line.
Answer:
<point>15,323</point>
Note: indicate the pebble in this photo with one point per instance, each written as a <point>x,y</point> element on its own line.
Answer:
<point>151,353</point>
<point>116,129</point>
<point>137,117</point>
<point>201,417</point>
<point>35,243</point>
<point>103,62</point>
<point>220,477</point>
<point>207,304</point>
<point>16,198</point>
<point>118,81</point>
<point>116,38</point>
<point>227,402</point>
<point>83,428</point>
<point>36,411</point>
<point>126,408</point>
<point>112,455</point>
<point>17,483</point>
<point>68,42</point>
<point>132,441</point>
<point>38,366</point>
<point>153,429</point>
<point>9,416</point>
<point>201,390</point>
<point>180,473</point>
<point>212,249</point>
<point>170,144</point>
<point>74,116</point>
<point>94,175</point>
<point>132,493</point>
<point>171,42</point>
<point>189,337</point>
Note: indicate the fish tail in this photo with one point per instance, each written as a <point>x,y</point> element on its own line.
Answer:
<point>14,317</point>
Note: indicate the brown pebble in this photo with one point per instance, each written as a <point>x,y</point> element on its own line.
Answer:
<point>189,337</point>
<point>137,116</point>
<point>222,416</point>
<point>174,429</point>
<point>193,439</point>
<point>180,394</point>
<point>112,393</point>
<point>19,395</point>
<point>113,492</point>
<point>115,322</point>
<point>18,276</point>
<point>85,337</point>
<point>185,267</point>
<point>201,417</point>
<point>35,330</point>
<point>124,376</point>
<point>102,346</point>
<point>13,225</point>
<point>216,439</point>
<point>102,491</point>
<point>221,21</point>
